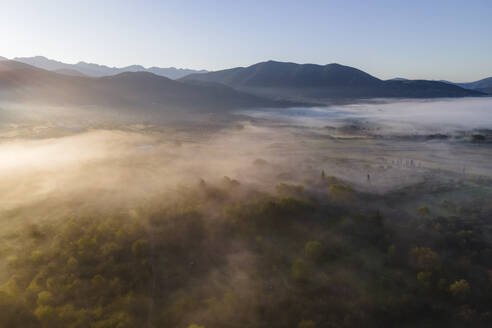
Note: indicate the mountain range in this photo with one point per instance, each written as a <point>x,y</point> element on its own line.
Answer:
<point>317,82</point>
<point>95,70</point>
<point>484,85</point>
<point>20,82</point>
<point>266,84</point>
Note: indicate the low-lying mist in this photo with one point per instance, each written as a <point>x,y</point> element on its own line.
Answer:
<point>395,117</point>
<point>216,218</point>
<point>48,152</point>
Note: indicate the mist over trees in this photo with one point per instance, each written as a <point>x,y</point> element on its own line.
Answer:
<point>349,188</point>
<point>246,222</point>
<point>220,255</point>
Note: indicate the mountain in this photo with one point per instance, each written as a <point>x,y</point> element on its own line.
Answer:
<point>68,71</point>
<point>43,62</point>
<point>487,90</point>
<point>3,58</point>
<point>132,90</point>
<point>484,85</point>
<point>96,70</point>
<point>309,81</point>
<point>278,74</point>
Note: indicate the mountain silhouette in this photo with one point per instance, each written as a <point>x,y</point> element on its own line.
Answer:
<point>96,70</point>
<point>68,71</point>
<point>135,90</point>
<point>310,81</point>
<point>483,85</point>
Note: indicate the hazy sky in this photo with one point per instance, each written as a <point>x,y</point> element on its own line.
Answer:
<point>429,39</point>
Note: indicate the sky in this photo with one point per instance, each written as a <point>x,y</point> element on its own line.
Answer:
<point>438,39</point>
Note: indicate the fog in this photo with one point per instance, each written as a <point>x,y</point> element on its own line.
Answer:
<point>54,153</point>
<point>395,117</point>
<point>81,183</point>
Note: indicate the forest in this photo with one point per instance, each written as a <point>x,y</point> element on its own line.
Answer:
<point>219,254</point>
<point>245,164</point>
<point>257,220</point>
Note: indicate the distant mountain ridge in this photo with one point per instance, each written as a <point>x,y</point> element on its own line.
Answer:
<point>21,82</point>
<point>268,83</point>
<point>483,85</point>
<point>96,70</point>
<point>310,81</point>
<point>275,74</point>
<point>68,71</point>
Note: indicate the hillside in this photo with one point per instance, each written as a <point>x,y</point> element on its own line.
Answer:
<point>487,90</point>
<point>484,85</point>
<point>293,80</point>
<point>68,71</point>
<point>277,74</point>
<point>22,82</point>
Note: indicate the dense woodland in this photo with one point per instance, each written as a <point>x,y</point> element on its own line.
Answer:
<point>221,254</point>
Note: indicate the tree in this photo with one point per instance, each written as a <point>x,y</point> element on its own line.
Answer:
<point>340,192</point>
<point>45,298</point>
<point>424,279</point>
<point>286,189</point>
<point>423,210</point>
<point>306,324</point>
<point>299,270</point>
<point>391,252</point>
<point>15,314</point>
<point>460,288</point>
<point>140,248</point>
<point>313,250</point>
<point>116,320</point>
<point>424,259</point>
<point>47,315</point>
<point>229,183</point>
